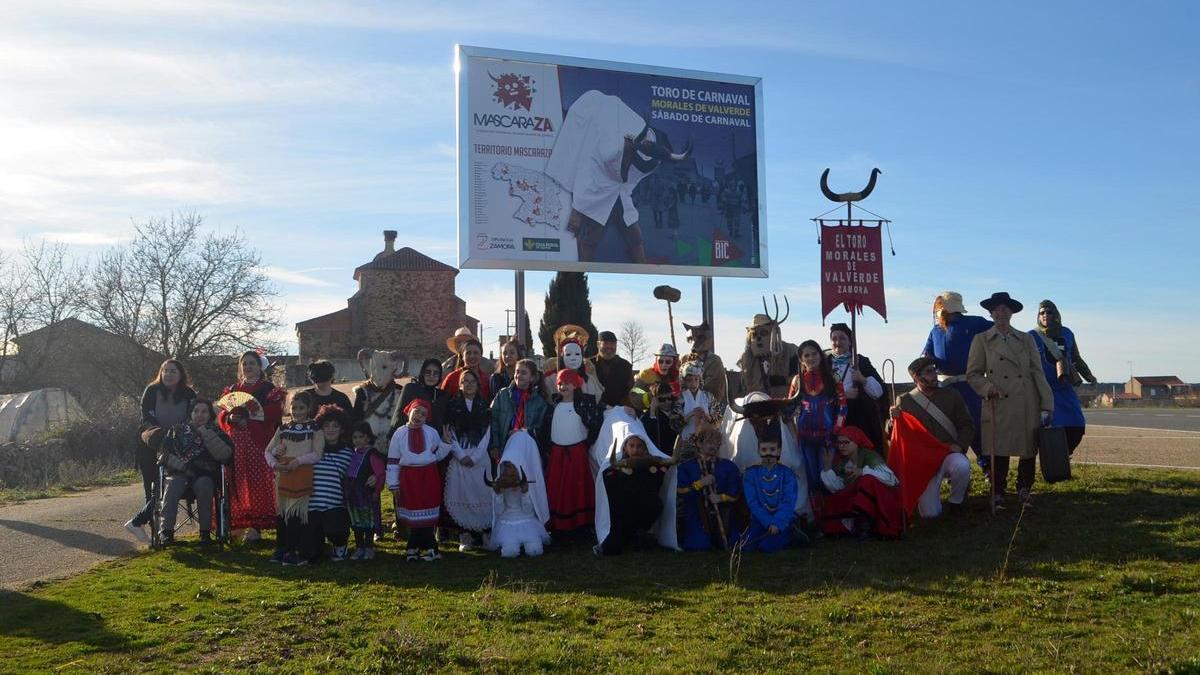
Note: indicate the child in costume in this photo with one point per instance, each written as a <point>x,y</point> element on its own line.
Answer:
<point>569,430</point>
<point>709,488</point>
<point>520,509</point>
<point>696,401</point>
<point>468,500</point>
<point>327,515</point>
<point>635,488</point>
<point>363,484</point>
<point>296,446</point>
<point>821,410</point>
<point>771,491</point>
<point>864,497</point>
<point>413,477</point>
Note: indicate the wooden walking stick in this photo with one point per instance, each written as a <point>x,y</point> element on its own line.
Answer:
<point>992,458</point>
<point>711,489</point>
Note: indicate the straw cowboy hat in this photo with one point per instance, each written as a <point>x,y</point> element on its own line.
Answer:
<point>454,342</point>
<point>952,302</point>
<point>759,321</point>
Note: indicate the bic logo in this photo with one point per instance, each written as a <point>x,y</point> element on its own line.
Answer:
<point>720,249</point>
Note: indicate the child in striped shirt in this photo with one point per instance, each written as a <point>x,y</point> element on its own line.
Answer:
<point>328,518</point>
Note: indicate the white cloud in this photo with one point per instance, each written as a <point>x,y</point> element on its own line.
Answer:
<point>297,277</point>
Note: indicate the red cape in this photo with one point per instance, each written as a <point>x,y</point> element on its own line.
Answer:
<point>915,455</point>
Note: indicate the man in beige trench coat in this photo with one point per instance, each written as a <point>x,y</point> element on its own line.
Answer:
<point>1004,368</point>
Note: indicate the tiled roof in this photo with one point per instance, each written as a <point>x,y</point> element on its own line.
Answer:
<point>339,320</point>
<point>407,260</point>
<point>1159,379</point>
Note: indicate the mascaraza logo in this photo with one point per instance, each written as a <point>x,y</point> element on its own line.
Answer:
<point>513,91</point>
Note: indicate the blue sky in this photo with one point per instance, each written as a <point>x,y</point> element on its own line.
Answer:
<point>1047,149</point>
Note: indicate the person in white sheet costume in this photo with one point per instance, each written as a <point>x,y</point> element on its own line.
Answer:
<point>520,511</point>
<point>618,426</point>
<point>603,150</point>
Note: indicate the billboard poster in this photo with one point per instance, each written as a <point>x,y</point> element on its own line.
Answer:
<point>578,165</point>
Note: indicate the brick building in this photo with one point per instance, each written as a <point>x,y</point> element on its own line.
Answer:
<point>405,301</point>
<point>1157,387</point>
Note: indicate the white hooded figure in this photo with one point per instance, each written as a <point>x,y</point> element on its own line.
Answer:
<point>520,512</point>
<point>743,448</point>
<point>609,447</point>
<point>587,155</point>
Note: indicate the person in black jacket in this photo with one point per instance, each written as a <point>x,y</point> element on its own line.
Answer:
<point>615,373</point>
<point>321,374</point>
<point>166,402</point>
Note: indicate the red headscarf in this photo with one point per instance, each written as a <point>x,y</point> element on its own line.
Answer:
<point>855,434</point>
<point>569,376</point>
<point>416,439</point>
<point>419,403</point>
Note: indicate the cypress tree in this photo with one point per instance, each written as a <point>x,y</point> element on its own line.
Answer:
<point>567,302</point>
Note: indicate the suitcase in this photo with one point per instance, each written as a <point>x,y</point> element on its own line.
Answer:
<point>1053,454</point>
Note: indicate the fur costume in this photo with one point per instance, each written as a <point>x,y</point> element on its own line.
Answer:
<point>767,361</point>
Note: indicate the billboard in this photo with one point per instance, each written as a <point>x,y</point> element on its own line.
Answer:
<point>578,165</point>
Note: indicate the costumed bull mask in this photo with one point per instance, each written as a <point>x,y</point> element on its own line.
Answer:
<point>763,412</point>
<point>381,367</point>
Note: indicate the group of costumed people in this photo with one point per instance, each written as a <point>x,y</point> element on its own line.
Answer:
<point>512,456</point>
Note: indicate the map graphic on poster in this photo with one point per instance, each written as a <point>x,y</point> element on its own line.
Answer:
<point>576,165</point>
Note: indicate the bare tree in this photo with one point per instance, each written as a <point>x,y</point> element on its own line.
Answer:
<point>184,292</point>
<point>633,341</point>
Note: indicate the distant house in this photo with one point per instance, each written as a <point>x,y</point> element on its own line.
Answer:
<point>1157,387</point>
<point>1116,399</point>
<point>405,301</point>
<point>91,363</point>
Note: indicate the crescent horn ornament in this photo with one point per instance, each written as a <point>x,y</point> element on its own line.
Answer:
<point>847,196</point>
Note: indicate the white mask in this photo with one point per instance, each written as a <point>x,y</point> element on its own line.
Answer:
<point>572,356</point>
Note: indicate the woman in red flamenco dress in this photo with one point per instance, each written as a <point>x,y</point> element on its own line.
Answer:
<point>252,483</point>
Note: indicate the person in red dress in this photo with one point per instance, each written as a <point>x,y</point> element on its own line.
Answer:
<point>252,483</point>
<point>864,497</point>
<point>569,429</point>
<point>413,478</point>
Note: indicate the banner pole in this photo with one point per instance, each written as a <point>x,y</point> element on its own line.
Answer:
<point>519,304</point>
<point>853,312</point>
<point>706,306</point>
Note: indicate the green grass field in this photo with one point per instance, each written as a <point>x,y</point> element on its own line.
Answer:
<point>1103,574</point>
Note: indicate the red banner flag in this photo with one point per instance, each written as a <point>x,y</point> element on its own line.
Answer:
<point>852,269</point>
<point>915,455</point>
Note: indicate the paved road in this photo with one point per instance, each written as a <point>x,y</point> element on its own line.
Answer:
<point>52,538</point>
<point>1178,419</point>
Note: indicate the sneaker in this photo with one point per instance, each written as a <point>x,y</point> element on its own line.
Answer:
<point>465,542</point>
<point>410,555</point>
<point>1025,497</point>
<point>166,539</point>
<point>430,554</point>
<point>290,559</point>
<point>339,554</point>
<point>251,535</point>
<point>369,553</point>
<point>276,557</point>
<point>138,531</point>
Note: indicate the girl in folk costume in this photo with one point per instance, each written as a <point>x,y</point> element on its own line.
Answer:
<point>510,352</point>
<point>427,387</point>
<point>468,500</point>
<point>821,410</point>
<point>568,431</point>
<point>327,514</point>
<point>364,482</point>
<point>469,352</point>
<point>291,453</point>
<point>864,497</point>
<point>413,478</point>
<point>860,381</point>
<point>570,341</point>
<point>519,506</point>
<point>518,406</point>
<point>250,410</point>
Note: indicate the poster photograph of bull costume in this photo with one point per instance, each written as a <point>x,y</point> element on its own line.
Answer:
<point>579,165</point>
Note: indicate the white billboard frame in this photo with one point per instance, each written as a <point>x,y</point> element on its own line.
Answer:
<point>462,56</point>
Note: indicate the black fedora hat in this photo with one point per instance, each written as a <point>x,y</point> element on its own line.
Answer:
<point>1001,298</point>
